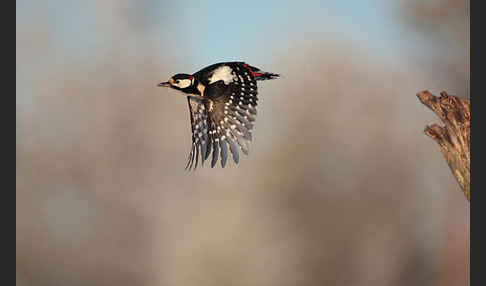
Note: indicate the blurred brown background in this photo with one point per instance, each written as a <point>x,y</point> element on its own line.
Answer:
<point>341,186</point>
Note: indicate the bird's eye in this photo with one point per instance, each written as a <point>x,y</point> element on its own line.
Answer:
<point>176,81</point>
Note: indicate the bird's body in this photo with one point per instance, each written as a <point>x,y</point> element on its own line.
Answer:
<point>222,100</point>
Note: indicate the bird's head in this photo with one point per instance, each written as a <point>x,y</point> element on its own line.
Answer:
<point>181,81</point>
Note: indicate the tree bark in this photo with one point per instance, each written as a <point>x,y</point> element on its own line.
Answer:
<point>453,138</point>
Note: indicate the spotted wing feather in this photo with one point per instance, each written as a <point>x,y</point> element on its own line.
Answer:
<point>200,127</point>
<point>232,111</point>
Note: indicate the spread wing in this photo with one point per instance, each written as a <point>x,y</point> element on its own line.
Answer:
<point>222,120</point>
<point>232,111</point>
<point>200,128</point>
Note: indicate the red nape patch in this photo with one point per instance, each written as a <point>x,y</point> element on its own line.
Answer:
<point>190,77</point>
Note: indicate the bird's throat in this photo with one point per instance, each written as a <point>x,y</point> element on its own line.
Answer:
<point>200,88</point>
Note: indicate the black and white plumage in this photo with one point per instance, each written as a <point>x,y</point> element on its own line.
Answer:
<point>222,100</point>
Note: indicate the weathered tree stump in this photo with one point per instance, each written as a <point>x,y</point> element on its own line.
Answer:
<point>453,138</point>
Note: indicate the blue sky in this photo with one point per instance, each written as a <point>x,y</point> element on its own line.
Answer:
<point>230,26</point>
<point>222,30</point>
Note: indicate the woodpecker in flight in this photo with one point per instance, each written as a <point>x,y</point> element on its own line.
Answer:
<point>222,101</point>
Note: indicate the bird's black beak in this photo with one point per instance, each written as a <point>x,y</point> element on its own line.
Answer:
<point>166,84</point>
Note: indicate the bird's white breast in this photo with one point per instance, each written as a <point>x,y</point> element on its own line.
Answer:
<point>223,73</point>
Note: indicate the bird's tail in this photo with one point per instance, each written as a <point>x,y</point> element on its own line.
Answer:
<point>259,74</point>
<point>266,76</point>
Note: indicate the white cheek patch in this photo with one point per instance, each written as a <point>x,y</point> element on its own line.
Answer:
<point>183,83</point>
<point>222,73</point>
